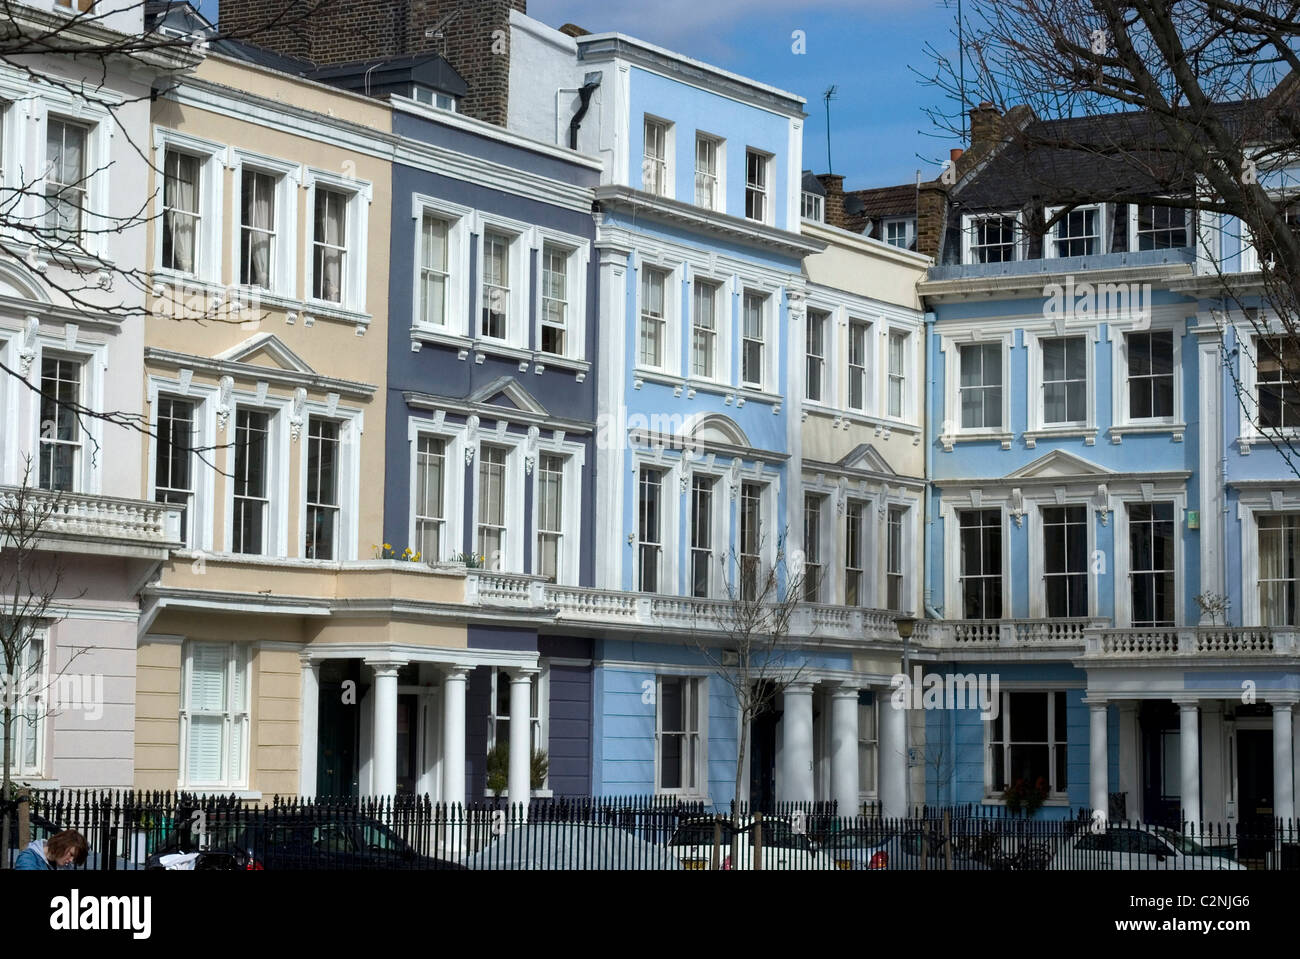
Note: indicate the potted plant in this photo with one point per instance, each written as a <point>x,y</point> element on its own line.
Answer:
<point>1020,796</point>
<point>498,768</point>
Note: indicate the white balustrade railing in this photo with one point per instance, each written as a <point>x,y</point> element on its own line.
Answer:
<point>1030,633</point>
<point>79,515</point>
<point>1204,641</point>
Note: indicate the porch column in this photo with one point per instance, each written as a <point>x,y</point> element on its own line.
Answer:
<point>384,781</point>
<point>1283,789</point>
<point>308,731</point>
<point>1189,737</point>
<point>844,749</point>
<point>518,783</point>
<point>893,758</point>
<point>453,734</point>
<point>798,748</point>
<point>1130,760</point>
<point>1098,785</point>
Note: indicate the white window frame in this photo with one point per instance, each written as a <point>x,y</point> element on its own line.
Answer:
<point>358,193</point>
<point>871,745</point>
<point>719,174</point>
<point>578,253</point>
<point>459,220</point>
<point>969,223</point>
<point>812,207</point>
<point>906,413</point>
<point>722,322</point>
<point>1038,556</point>
<point>98,214</point>
<point>1052,240</point>
<point>824,560</point>
<point>768,341</point>
<point>277,484</point>
<point>212,175</point>
<point>1123,605</point>
<point>720,506</point>
<point>1121,400</point>
<point>520,239</point>
<point>669,512</point>
<point>909,231</point>
<point>539,723</point>
<point>1252,501</point>
<point>200,519</point>
<point>906,547</point>
<point>238,659</point>
<point>1037,394</point>
<point>32,686</point>
<point>513,480</point>
<point>1057,739</point>
<point>767,533</point>
<point>767,192</point>
<point>349,479</point>
<point>288,178</point>
<point>1134,232</point>
<point>827,320</point>
<point>669,129</point>
<point>866,584</point>
<point>453,506</point>
<point>94,366</point>
<point>866,367</point>
<point>698,688</point>
<point>954,607</point>
<point>672,332</point>
<point>570,557</point>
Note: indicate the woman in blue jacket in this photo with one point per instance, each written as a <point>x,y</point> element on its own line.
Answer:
<point>60,850</point>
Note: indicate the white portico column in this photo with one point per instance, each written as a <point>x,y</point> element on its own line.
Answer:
<point>797,750</point>
<point>1130,760</point>
<point>308,733</point>
<point>1098,787</point>
<point>518,785</point>
<point>893,757</point>
<point>844,749</point>
<point>1283,789</point>
<point>384,779</point>
<point>453,734</point>
<point>1189,737</point>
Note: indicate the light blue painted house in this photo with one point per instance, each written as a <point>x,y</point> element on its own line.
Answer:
<point>1096,481</point>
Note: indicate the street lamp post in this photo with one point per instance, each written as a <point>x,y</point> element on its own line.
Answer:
<point>906,625</point>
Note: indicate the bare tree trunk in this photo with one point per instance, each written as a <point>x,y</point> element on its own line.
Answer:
<point>740,768</point>
<point>5,785</point>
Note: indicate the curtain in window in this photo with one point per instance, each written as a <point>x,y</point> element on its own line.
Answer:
<point>329,245</point>
<point>1279,566</point>
<point>257,196</point>
<point>182,185</point>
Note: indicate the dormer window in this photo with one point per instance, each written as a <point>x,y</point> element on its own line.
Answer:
<point>1077,233</point>
<point>1161,227</point>
<point>423,94</point>
<point>992,239</point>
<point>900,232</point>
<point>813,207</point>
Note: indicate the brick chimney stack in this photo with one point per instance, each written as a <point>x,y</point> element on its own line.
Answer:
<point>834,186</point>
<point>985,126</point>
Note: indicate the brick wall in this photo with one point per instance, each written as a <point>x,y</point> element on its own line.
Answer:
<point>834,186</point>
<point>476,42</point>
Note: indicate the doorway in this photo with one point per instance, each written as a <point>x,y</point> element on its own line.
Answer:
<point>762,758</point>
<point>408,742</point>
<point>338,728</point>
<point>1254,792</point>
<point>1161,763</point>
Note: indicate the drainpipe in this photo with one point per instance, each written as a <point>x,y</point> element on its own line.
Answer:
<point>926,521</point>
<point>589,84</point>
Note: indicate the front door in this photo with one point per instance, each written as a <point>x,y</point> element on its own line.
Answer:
<point>1254,792</point>
<point>338,728</point>
<point>408,741</point>
<point>762,761</point>
<point>1161,763</point>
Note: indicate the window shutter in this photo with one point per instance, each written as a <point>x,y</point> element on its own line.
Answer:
<point>207,694</point>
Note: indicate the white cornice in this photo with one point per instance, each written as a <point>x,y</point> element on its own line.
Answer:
<point>944,290</point>
<point>253,372</point>
<point>493,132</point>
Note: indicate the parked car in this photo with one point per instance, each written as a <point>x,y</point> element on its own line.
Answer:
<point>783,848</point>
<point>569,846</point>
<point>886,848</point>
<point>301,840</point>
<point>1138,847</point>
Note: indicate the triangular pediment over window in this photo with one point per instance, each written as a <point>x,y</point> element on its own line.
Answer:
<point>866,457</point>
<point>1059,463</point>
<point>506,392</point>
<point>268,350</point>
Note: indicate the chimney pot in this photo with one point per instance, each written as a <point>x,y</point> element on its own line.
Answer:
<point>955,154</point>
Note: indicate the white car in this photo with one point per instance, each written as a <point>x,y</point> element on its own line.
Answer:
<point>783,849</point>
<point>1138,847</point>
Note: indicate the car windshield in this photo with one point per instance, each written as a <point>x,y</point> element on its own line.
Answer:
<point>378,836</point>
<point>1184,844</point>
<point>699,834</point>
<point>855,840</point>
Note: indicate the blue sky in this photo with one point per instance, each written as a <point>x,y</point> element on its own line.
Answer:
<point>864,47</point>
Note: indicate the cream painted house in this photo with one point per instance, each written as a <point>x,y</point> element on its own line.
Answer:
<point>861,370</point>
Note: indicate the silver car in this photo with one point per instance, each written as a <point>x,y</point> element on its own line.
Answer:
<point>1138,847</point>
